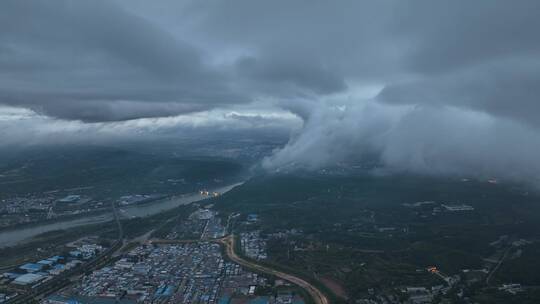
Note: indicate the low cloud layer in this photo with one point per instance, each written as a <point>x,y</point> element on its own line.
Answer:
<point>457,83</point>
<point>26,128</point>
<point>425,140</point>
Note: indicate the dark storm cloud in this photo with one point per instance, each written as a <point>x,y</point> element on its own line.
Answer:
<point>483,56</point>
<point>299,40</point>
<point>478,55</point>
<point>95,61</point>
<point>454,34</point>
<point>58,55</point>
<point>508,88</point>
<point>297,74</point>
<point>443,67</point>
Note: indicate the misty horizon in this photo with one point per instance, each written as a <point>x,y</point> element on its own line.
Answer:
<point>444,89</point>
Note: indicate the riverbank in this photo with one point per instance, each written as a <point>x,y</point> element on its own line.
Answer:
<point>25,235</point>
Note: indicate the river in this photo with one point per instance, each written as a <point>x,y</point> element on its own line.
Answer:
<point>18,236</point>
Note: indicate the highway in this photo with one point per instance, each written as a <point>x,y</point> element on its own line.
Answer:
<point>494,270</point>
<point>316,294</point>
<point>227,242</point>
<point>68,277</point>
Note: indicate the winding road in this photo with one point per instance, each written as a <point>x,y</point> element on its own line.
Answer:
<point>316,294</point>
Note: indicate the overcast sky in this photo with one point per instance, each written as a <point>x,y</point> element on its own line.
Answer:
<point>429,86</point>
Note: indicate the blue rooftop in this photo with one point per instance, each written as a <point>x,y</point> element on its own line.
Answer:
<point>164,291</point>
<point>168,291</point>
<point>75,253</point>
<point>259,300</point>
<point>12,275</point>
<point>224,300</point>
<point>55,258</point>
<point>31,267</point>
<point>252,217</point>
